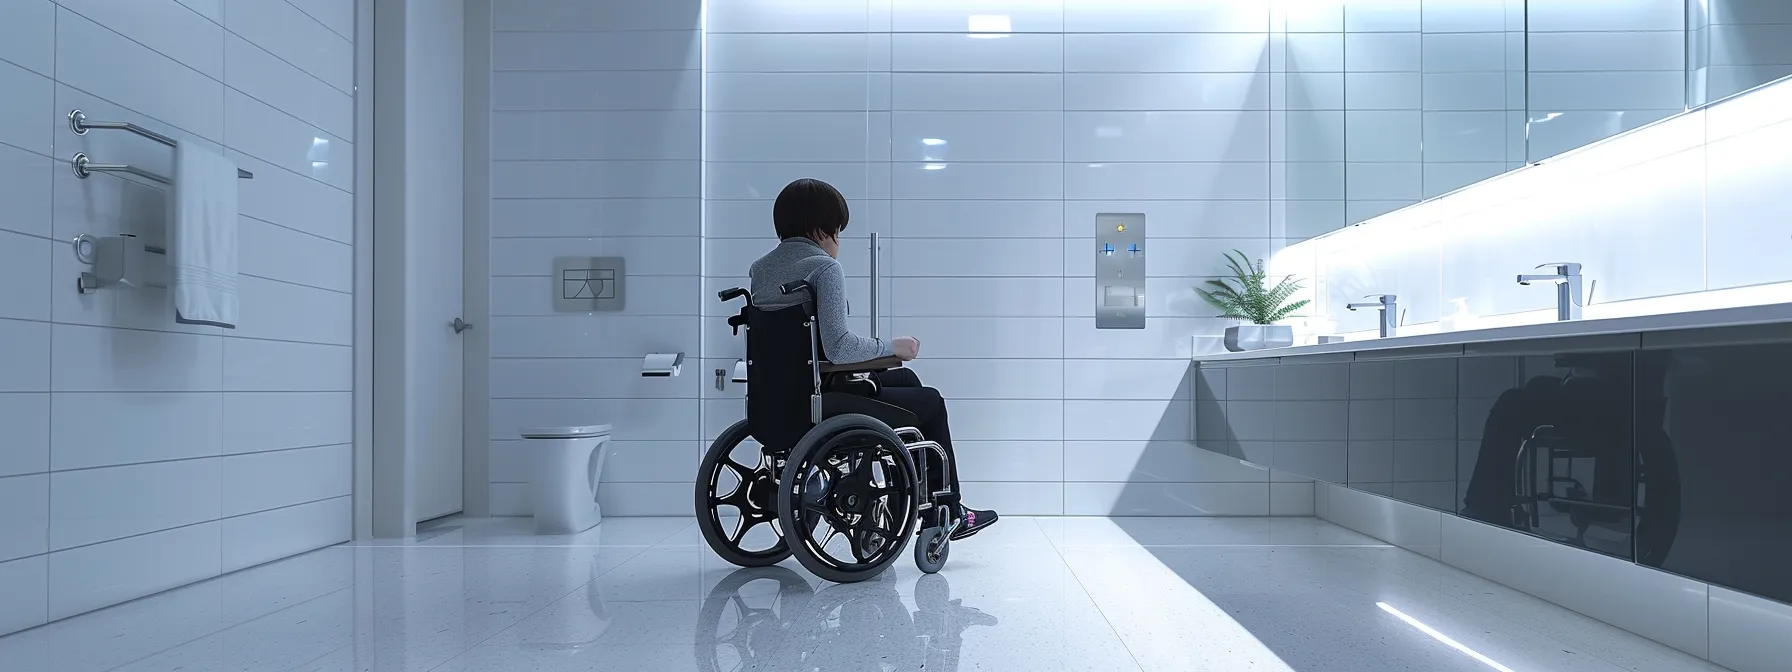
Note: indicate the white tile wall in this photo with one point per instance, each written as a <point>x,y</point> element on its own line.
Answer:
<point>596,143</point>
<point>983,162</point>
<point>103,512</point>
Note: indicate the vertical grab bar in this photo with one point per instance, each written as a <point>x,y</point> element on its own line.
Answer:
<point>874,284</point>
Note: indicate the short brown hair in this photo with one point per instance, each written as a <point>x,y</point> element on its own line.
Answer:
<point>809,208</point>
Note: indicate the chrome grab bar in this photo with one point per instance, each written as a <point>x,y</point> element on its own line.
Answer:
<point>84,166</point>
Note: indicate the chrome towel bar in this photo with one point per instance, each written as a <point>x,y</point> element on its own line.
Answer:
<point>84,166</point>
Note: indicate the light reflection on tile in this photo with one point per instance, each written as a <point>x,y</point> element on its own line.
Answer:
<point>1282,595</point>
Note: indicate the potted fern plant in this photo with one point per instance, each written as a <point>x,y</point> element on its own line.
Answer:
<point>1248,296</point>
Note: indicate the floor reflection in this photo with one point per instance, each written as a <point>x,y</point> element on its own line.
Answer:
<point>771,619</point>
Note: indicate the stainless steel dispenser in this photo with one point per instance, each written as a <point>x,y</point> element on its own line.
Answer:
<point>1119,271</point>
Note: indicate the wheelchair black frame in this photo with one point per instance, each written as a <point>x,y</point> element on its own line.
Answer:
<point>832,386</point>
<point>918,450</point>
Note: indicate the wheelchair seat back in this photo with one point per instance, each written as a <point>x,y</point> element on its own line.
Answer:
<point>780,376</point>
<point>784,357</point>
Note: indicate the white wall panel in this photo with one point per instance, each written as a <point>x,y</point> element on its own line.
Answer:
<point>1169,461</point>
<point>631,135</point>
<point>277,366</point>
<point>25,583</point>
<point>270,535</point>
<point>26,179</point>
<point>285,31</point>
<point>1166,499</point>
<point>25,447</point>
<point>267,133</point>
<point>87,57</point>
<point>140,427</point>
<point>593,217</point>
<point>25,528</point>
<point>270,480</point>
<point>639,50</point>
<point>817,52</point>
<point>258,421</point>
<point>596,90</point>
<point>94,505</point>
<point>28,35</point>
<point>926,91</point>
<point>1186,52</point>
<point>130,506</point>
<point>924,52</point>
<point>1190,16</point>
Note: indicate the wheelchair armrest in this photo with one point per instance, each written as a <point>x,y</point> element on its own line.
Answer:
<point>879,364</point>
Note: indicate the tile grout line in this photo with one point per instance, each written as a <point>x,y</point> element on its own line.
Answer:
<point>50,352</point>
<point>228,628</point>
<point>1079,584</point>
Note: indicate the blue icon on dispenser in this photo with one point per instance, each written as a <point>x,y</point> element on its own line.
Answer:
<point>1108,248</point>
<point>1134,249</point>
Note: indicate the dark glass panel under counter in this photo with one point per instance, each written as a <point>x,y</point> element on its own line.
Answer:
<point>1545,446</point>
<point>1402,430</point>
<point>1714,454</point>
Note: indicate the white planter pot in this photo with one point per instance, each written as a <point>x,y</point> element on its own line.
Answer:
<point>1249,337</point>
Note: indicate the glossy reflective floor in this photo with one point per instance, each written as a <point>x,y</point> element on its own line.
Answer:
<point>1265,595</point>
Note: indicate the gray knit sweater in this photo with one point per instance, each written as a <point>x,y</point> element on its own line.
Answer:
<point>802,259</point>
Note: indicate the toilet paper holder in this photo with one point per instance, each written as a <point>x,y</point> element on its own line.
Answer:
<point>661,364</point>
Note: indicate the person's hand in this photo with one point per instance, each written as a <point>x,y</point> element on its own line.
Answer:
<point>907,348</point>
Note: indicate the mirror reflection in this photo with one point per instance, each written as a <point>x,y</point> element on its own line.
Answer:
<point>1391,102</point>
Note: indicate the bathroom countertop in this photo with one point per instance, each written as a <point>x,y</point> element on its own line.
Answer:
<point>1703,319</point>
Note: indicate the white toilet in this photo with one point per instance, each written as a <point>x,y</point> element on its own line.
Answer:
<point>565,466</point>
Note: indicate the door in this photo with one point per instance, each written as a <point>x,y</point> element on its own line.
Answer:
<point>436,371</point>
<point>434,156</point>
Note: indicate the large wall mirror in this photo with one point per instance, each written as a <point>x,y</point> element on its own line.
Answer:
<point>1391,102</point>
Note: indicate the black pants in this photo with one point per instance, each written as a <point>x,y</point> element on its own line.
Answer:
<point>903,388</point>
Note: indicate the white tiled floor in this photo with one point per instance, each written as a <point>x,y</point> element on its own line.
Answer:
<point>1269,595</point>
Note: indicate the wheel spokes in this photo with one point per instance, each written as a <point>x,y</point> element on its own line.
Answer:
<point>862,492</point>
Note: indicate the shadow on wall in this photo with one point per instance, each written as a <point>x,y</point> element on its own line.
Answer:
<point>1176,476</point>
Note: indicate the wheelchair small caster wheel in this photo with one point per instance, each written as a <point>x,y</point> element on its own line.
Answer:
<point>932,549</point>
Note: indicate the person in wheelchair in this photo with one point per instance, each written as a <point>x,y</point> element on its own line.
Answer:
<point>809,216</point>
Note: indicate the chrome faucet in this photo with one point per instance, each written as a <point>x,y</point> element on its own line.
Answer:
<point>1569,300</point>
<point>1390,311</point>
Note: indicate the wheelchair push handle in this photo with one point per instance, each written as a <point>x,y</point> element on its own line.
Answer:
<point>737,321</point>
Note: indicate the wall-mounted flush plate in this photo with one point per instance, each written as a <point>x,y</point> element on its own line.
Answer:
<point>586,284</point>
<point>1119,271</point>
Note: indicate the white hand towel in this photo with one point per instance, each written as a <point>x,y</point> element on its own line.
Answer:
<point>202,237</point>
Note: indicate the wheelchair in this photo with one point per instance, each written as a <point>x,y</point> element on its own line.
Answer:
<point>839,479</point>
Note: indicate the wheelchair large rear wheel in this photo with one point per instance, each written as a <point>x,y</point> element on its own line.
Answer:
<point>847,499</point>
<point>736,498</point>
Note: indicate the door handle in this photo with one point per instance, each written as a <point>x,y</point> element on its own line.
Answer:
<point>461,325</point>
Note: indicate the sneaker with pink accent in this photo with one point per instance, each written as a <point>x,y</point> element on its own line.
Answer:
<point>974,521</point>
